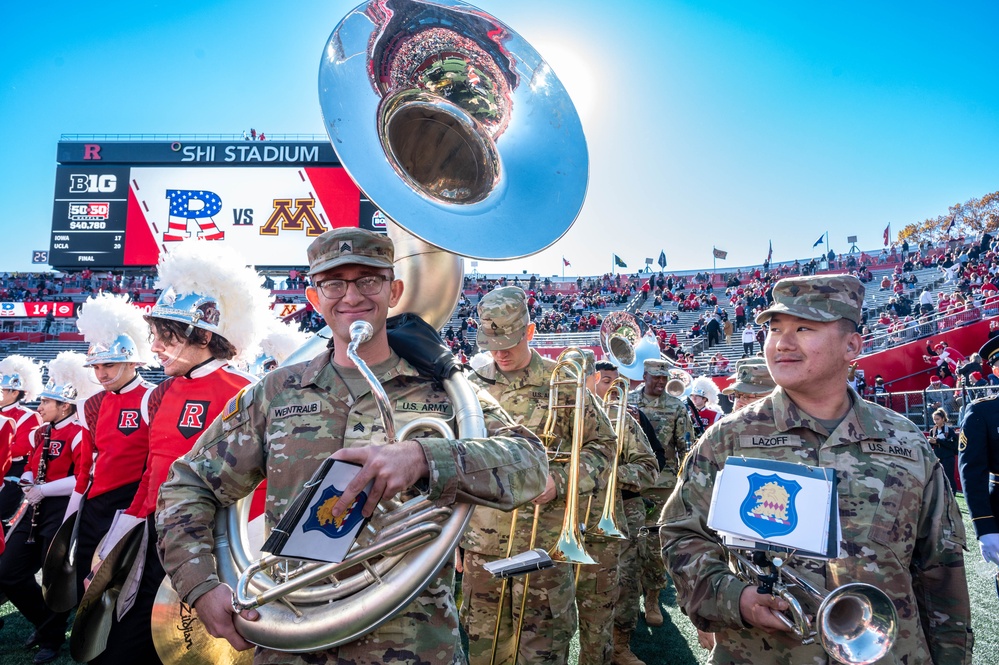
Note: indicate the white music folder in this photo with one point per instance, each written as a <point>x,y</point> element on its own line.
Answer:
<point>762,504</point>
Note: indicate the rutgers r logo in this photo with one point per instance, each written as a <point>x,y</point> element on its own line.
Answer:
<point>128,421</point>
<point>192,417</point>
<point>55,449</point>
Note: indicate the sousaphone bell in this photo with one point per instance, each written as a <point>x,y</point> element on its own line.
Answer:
<point>457,129</point>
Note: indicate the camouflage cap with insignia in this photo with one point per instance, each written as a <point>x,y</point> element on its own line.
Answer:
<point>817,298</point>
<point>503,318</point>
<point>654,367</point>
<point>350,245</point>
<point>591,362</point>
<point>752,377</point>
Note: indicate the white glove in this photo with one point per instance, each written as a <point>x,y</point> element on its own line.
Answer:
<point>27,478</point>
<point>61,487</point>
<point>34,495</point>
<point>74,505</point>
<point>990,547</point>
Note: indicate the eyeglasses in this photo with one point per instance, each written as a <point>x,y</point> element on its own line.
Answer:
<point>368,285</point>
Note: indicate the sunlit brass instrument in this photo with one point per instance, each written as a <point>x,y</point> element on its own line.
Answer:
<point>569,370</point>
<point>856,623</point>
<point>616,404</point>
<point>427,104</point>
<point>393,559</point>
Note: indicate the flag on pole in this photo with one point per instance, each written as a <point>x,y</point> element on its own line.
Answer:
<point>888,233</point>
<point>718,254</point>
<point>950,224</point>
<point>770,252</point>
<point>565,263</point>
<point>662,259</point>
<point>619,263</point>
<point>821,239</point>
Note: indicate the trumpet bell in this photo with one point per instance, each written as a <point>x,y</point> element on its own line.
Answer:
<point>857,624</point>
<point>451,123</point>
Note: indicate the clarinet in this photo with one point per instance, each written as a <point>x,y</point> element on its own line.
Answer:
<point>43,463</point>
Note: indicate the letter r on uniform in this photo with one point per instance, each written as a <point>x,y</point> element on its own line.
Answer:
<point>193,416</point>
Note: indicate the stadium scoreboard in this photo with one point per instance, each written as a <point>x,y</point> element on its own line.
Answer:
<point>121,203</point>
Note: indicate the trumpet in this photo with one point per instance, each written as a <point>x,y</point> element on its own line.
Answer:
<point>855,623</point>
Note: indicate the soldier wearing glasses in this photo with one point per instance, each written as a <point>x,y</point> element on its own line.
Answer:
<point>297,416</point>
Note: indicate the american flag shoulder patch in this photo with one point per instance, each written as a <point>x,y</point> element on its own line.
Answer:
<point>232,406</point>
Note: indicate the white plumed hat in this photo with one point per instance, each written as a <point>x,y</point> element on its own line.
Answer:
<point>115,330</point>
<point>207,286</point>
<point>70,380</point>
<point>21,373</point>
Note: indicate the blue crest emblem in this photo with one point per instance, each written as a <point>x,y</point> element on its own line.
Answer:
<point>768,508</point>
<point>321,514</point>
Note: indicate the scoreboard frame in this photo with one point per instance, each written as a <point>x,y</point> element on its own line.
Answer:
<point>121,203</point>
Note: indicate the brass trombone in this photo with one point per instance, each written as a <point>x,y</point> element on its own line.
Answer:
<point>855,623</point>
<point>569,370</point>
<point>615,397</point>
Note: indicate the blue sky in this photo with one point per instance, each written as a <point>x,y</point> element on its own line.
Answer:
<point>708,124</point>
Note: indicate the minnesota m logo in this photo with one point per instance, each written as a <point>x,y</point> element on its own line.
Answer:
<point>303,217</point>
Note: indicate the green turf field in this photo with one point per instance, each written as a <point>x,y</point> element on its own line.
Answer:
<point>675,642</point>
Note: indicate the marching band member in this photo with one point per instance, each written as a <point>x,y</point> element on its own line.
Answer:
<point>48,481</point>
<point>205,316</point>
<point>636,471</point>
<point>518,377</point>
<point>704,397</point>
<point>20,381</point>
<point>113,462</point>
<point>262,436</point>
<point>901,528</point>
<point>674,429</point>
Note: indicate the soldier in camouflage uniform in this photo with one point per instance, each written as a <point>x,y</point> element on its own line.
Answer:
<point>282,428</point>
<point>518,378</point>
<point>675,431</point>
<point>750,383</point>
<point>902,530</point>
<point>636,471</point>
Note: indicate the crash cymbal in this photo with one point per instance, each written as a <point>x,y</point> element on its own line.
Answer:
<point>59,571</point>
<point>94,616</point>
<point>181,638</point>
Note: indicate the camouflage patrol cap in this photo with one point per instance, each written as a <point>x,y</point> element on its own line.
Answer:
<point>503,318</point>
<point>655,367</point>
<point>350,245</point>
<point>817,298</point>
<point>752,376</point>
<point>591,362</point>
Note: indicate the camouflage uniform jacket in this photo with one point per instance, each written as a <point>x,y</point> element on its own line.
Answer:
<point>525,398</point>
<point>673,427</point>
<point>902,530</point>
<point>282,428</point>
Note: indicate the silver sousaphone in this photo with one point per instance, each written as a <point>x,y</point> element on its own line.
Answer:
<point>455,127</point>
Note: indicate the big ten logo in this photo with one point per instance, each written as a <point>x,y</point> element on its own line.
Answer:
<point>196,205</point>
<point>287,217</point>
<point>92,183</point>
<point>379,220</point>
